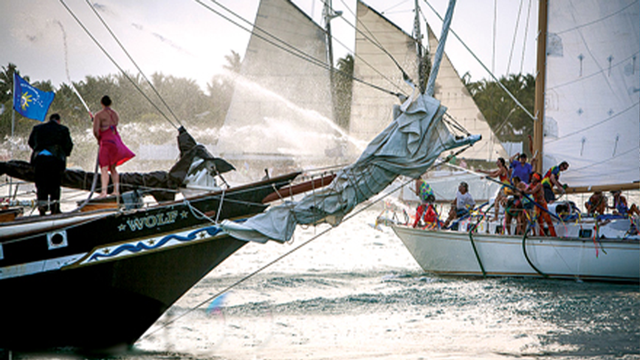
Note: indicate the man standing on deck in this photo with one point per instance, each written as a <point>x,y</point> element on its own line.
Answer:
<point>51,144</point>
<point>521,168</point>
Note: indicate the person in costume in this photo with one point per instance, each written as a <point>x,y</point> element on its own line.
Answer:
<point>113,152</point>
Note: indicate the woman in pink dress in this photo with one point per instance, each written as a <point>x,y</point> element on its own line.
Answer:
<point>113,151</point>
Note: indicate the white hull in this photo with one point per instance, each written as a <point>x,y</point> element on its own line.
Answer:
<point>452,253</point>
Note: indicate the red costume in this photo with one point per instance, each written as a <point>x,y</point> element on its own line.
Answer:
<point>112,150</point>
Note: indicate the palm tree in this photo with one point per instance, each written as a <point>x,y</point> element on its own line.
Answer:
<point>508,121</point>
<point>343,82</point>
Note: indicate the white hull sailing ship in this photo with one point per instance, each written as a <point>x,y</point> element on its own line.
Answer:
<point>589,97</point>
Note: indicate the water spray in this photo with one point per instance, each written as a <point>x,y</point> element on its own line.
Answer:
<point>66,68</point>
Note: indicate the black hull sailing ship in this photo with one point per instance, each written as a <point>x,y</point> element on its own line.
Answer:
<point>99,279</point>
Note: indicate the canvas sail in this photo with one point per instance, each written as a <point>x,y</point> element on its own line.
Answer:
<point>592,94</point>
<point>281,104</point>
<point>371,108</point>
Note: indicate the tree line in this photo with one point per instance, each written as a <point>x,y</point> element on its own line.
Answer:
<point>195,107</point>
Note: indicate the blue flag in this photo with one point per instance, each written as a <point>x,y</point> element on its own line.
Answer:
<point>29,101</point>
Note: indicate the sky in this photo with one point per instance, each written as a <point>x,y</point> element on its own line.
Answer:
<point>184,39</point>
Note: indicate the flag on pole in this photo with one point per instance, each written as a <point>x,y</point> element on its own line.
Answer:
<point>29,101</point>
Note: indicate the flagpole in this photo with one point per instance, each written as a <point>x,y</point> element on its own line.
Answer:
<point>13,121</point>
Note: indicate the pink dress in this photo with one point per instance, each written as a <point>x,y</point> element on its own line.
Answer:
<point>112,150</point>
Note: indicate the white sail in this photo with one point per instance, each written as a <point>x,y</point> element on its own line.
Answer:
<point>371,108</point>
<point>281,104</point>
<point>592,95</point>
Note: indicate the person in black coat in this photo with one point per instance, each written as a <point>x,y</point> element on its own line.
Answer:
<point>51,144</point>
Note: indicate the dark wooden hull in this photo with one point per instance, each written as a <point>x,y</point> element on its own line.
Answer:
<point>103,305</point>
<point>103,282</point>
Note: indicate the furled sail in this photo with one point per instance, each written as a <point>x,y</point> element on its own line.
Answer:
<point>408,146</point>
<point>282,101</point>
<point>371,108</point>
<point>592,95</point>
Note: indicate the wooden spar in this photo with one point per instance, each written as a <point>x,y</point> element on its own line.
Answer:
<point>299,188</point>
<point>588,189</point>
<point>541,73</point>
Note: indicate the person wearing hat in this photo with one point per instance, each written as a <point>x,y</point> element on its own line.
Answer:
<point>620,206</point>
<point>461,205</point>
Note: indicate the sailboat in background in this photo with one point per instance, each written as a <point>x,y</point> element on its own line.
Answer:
<point>288,54</point>
<point>281,112</point>
<point>588,95</point>
<point>379,45</point>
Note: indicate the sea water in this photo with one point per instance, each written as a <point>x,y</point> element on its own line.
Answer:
<point>356,293</point>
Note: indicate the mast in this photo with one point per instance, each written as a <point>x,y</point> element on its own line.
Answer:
<point>422,75</point>
<point>540,83</point>
<point>328,14</point>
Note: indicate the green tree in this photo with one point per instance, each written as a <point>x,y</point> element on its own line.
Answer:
<point>343,84</point>
<point>234,63</point>
<point>507,120</point>
<point>220,90</point>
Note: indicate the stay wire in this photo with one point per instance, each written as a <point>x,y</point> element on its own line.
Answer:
<point>132,61</point>
<point>526,35</point>
<point>254,273</point>
<point>302,56</point>
<point>515,33</point>
<point>115,63</point>
<point>308,57</point>
<point>84,103</point>
<point>484,67</point>
<point>375,42</point>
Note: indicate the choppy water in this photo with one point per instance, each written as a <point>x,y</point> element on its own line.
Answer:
<point>356,293</point>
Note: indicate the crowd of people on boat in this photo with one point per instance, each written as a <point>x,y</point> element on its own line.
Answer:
<point>523,197</point>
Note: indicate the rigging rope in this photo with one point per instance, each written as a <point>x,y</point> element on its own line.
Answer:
<point>515,33</point>
<point>73,87</point>
<point>272,262</point>
<point>132,61</point>
<point>526,34</point>
<point>115,63</point>
<point>484,67</point>
<point>375,42</point>
<point>297,53</point>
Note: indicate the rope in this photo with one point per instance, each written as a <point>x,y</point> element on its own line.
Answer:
<point>484,67</point>
<point>269,264</point>
<point>473,244</point>
<point>93,184</point>
<point>375,42</point>
<point>132,61</point>
<point>515,33</point>
<point>115,63</point>
<point>526,34</point>
<point>297,53</point>
<point>526,256</point>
